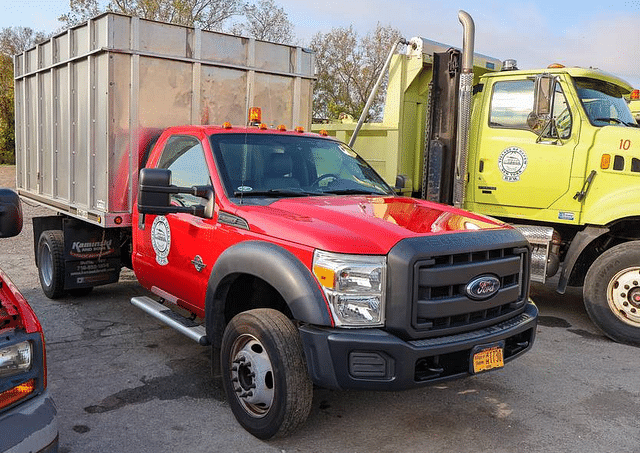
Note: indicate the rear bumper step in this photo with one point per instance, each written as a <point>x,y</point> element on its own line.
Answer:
<point>174,320</point>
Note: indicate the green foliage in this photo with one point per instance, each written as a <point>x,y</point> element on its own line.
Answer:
<point>347,69</point>
<point>13,40</point>
<point>7,140</point>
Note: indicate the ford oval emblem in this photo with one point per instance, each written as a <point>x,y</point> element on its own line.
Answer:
<point>482,287</point>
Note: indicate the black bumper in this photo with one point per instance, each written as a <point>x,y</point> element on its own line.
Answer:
<point>373,359</point>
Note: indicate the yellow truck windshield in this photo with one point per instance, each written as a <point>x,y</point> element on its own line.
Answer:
<point>603,102</point>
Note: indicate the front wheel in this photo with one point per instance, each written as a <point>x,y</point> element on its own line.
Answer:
<point>612,292</point>
<point>264,373</point>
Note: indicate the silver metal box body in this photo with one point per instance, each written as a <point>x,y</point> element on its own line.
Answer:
<point>89,99</point>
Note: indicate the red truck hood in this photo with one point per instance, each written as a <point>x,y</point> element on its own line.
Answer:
<point>358,224</point>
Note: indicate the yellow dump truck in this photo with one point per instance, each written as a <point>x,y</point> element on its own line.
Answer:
<point>554,151</point>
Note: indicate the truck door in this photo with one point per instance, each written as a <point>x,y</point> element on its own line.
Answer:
<point>181,244</point>
<point>515,166</point>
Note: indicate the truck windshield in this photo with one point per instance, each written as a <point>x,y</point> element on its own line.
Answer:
<point>258,165</point>
<point>604,103</point>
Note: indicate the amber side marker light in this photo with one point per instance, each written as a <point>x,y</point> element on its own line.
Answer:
<point>324,133</point>
<point>300,129</point>
<point>605,161</point>
<point>635,95</point>
<point>15,394</point>
<point>281,128</point>
<point>226,125</point>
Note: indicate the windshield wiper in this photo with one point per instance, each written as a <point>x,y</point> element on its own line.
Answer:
<point>617,120</point>
<point>275,192</point>
<point>355,192</point>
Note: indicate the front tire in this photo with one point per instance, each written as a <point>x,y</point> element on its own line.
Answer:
<point>264,373</point>
<point>612,292</point>
<point>51,263</point>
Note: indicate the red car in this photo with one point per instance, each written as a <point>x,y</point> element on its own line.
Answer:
<point>28,416</point>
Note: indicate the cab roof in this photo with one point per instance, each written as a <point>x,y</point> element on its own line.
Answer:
<point>573,72</point>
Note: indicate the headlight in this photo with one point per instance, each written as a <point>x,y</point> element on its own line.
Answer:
<point>15,359</point>
<point>354,286</point>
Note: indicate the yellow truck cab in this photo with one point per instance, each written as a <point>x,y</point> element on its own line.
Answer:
<point>554,151</point>
<point>520,171</point>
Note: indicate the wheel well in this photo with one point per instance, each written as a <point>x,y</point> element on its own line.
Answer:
<point>621,231</point>
<point>246,292</point>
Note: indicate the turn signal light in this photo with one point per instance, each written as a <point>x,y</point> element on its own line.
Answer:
<point>324,133</point>
<point>300,129</point>
<point>605,161</point>
<point>226,125</point>
<point>17,393</point>
<point>281,128</point>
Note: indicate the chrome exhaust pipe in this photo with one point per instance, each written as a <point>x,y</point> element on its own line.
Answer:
<point>464,108</point>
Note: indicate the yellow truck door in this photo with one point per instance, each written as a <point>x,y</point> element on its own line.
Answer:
<point>513,166</point>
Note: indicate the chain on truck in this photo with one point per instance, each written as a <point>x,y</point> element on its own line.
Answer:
<point>281,250</point>
<point>552,151</point>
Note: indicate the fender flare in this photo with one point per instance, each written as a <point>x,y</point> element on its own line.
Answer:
<point>578,244</point>
<point>276,266</point>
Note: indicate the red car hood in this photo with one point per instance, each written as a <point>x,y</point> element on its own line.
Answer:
<point>358,224</point>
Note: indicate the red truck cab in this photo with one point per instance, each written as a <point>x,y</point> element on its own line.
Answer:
<point>305,267</point>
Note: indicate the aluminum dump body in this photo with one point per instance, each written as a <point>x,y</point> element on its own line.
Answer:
<point>90,100</point>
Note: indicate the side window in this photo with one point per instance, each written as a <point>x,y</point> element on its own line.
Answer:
<point>184,156</point>
<point>511,104</point>
<point>512,107</point>
<point>561,115</point>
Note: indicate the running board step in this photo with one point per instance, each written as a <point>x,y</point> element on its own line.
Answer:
<point>174,320</point>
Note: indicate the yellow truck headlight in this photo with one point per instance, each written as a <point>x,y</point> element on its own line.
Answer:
<point>354,286</point>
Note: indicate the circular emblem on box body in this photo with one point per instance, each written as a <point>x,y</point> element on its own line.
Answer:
<point>512,163</point>
<point>161,239</point>
<point>482,287</point>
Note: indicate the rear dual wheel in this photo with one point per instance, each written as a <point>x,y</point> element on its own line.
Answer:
<point>51,266</point>
<point>264,373</point>
<point>51,263</point>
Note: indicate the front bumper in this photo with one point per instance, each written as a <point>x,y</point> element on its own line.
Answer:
<point>373,359</point>
<point>31,426</point>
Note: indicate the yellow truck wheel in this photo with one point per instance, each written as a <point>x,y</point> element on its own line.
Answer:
<point>612,292</point>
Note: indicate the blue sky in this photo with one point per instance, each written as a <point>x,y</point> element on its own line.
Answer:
<point>604,34</point>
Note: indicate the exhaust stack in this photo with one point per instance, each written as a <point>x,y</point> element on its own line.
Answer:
<point>464,112</point>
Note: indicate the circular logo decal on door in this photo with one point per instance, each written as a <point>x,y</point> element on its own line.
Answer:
<point>161,239</point>
<point>512,163</point>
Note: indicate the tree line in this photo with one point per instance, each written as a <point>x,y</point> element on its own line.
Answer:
<point>347,64</point>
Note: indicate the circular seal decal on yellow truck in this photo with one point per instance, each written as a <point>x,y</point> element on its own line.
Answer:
<point>161,239</point>
<point>512,163</point>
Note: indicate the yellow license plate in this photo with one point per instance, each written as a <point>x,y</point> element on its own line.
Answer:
<point>488,359</point>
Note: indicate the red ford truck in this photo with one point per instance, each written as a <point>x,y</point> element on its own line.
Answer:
<point>283,251</point>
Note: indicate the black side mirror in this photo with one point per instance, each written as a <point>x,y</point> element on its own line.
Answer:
<point>154,195</point>
<point>10,214</point>
<point>153,192</point>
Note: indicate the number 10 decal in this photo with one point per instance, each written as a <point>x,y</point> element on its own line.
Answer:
<point>625,144</point>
